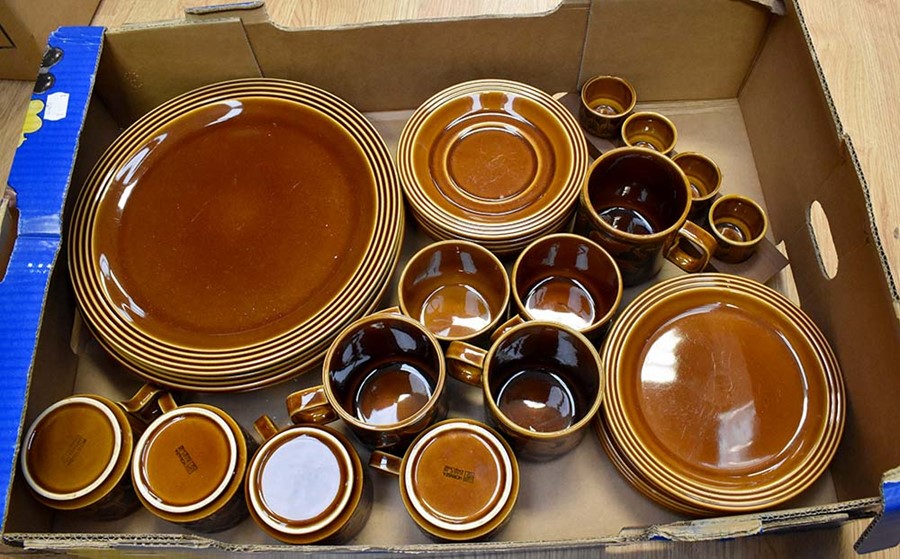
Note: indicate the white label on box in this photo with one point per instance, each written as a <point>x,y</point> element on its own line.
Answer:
<point>57,106</point>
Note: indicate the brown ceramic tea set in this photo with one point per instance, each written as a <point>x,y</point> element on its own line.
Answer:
<point>245,232</point>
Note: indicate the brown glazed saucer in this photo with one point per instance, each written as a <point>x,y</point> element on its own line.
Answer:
<point>490,160</point>
<point>722,393</point>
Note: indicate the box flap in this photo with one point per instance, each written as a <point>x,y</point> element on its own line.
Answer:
<point>381,66</point>
<point>884,531</point>
<point>804,160</point>
<point>717,41</point>
<point>135,77</point>
<point>40,176</point>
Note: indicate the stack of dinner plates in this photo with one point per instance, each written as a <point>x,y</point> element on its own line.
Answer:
<point>720,396</point>
<point>225,238</point>
<point>494,162</point>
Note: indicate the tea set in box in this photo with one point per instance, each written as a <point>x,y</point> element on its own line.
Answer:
<point>238,235</point>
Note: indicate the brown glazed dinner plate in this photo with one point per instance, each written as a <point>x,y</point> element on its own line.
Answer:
<point>243,222</point>
<point>722,393</point>
<point>491,161</point>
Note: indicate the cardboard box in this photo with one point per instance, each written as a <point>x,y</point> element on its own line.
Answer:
<point>24,27</point>
<point>741,83</point>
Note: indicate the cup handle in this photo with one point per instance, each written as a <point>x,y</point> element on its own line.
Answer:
<point>166,403</point>
<point>265,427</point>
<point>141,405</point>
<point>465,362</point>
<point>699,239</point>
<point>506,326</point>
<point>387,463</point>
<point>310,405</point>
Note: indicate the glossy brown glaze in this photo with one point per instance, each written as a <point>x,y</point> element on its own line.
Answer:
<point>459,481</point>
<point>492,157</point>
<point>567,279</point>
<point>722,393</point>
<point>306,485</point>
<point>189,466</point>
<point>705,180</point>
<point>634,203</point>
<point>384,376</point>
<point>650,131</point>
<point>75,457</point>
<point>233,367</point>
<point>458,290</point>
<point>739,225</point>
<point>647,488</point>
<point>187,460</point>
<point>605,102</point>
<point>491,161</point>
<point>234,223</point>
<point>71,448</point>
<point>542,387</point>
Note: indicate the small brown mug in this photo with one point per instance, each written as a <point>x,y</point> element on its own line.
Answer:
<point>649,130</point>
<point>459,480</point>
<point>705,179</point>
<point>189,466</point>
<point>567,279</point>
<point>542,385</point>
<point>384,376</point>
<point>634,203</point>
<point>457,289</point>
<point>306,484</point>
<point>75,455</point>
<point>605,102</point>
<point>739,224</point>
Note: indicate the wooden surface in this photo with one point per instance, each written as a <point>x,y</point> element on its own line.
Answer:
<point>859,48</point>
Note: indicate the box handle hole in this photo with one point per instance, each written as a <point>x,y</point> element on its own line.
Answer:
<point>820,230</point>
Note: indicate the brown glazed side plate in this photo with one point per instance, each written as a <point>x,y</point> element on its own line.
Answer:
<point>491,159</point>
<point>722,392</point>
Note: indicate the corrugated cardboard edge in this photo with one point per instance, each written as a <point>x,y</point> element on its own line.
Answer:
<point>884,531</point>
<point>848,141</point>
<point>23,293</point>
<point>688,531</point>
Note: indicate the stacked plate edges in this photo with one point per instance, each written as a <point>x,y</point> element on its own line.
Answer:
<point>495,162</point>
<point>225,238</point>
<point>721,396</point>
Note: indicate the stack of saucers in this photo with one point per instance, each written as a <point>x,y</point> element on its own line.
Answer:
<point>494,162</point>
<point>721,396</point>
<point>225,238</point>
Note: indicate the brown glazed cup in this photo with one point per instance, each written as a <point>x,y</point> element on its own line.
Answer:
<point>384,376</point>
<point>542,385</point>
<point>189,466</point>
<point>704,177</point>
<point>458,290</point>
<point>459,480</point>
<point>306,484</point>
<point>739,224</point>
<point>567,279</point>
<point>650,131</point>
<point>605,102</point>
<point>75,455</point>
<point>634,203</point>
